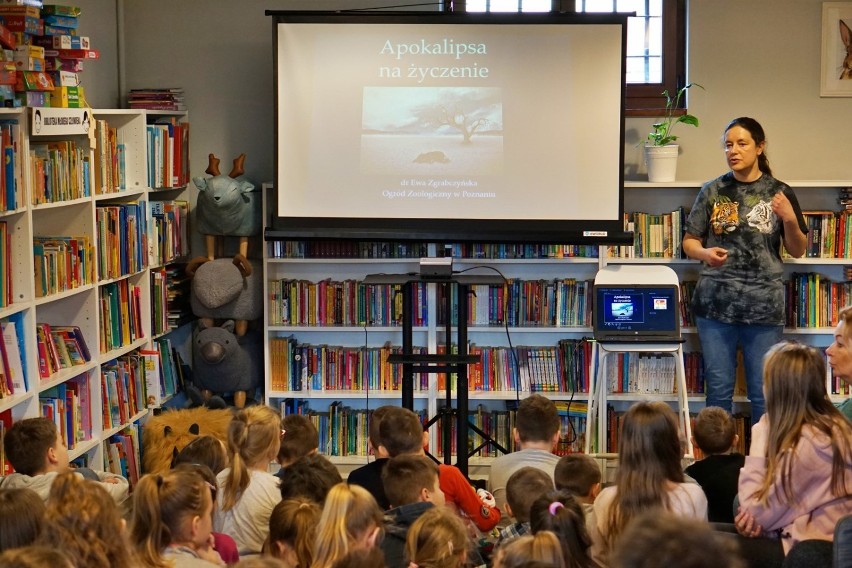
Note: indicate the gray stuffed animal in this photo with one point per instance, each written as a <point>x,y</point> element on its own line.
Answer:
<point>222,362</point>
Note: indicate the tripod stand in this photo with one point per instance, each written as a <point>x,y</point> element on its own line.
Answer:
<point>441,362</point>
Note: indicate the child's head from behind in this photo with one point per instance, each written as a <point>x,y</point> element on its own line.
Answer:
<point>579,475</point>
<point>310,477</point>
<point>437,539</point>
<point>205,450</point>
<point>350,518</point>
<point>649,441</point>
<point>715,431</point>
<point>560,513</point>
<point>21,517</point>
<point>659,538</point>
<point>174,508</point>
<point>35,556</point>
<point>401,432</point>
<point>374,432</point>
<point>794,383</point>
<point>523,488</point>
<point>34,446</point>
<point>537,420</point>
<point>411,479</point>
<point>292,531</point>
<point>299,438</point>
<point>254,436</point>
<point>541,547</point>
<point>83,520</point>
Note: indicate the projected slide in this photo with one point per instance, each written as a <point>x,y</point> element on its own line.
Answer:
<point>442,121</point>
<point>428,131</point>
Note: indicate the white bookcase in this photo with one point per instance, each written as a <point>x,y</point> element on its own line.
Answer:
<point>639,196</point>
<point>82,306</point>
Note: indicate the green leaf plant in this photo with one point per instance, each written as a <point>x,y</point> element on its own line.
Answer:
<point>661,132</point>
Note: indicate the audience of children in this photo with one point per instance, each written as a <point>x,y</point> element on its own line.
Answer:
<point>579,475</point>
<point>797,480</point>
<point>292,532</point>
<point>412,487</point>
<point>35,556</point>
<point>299,438</point>
<point>37,452</point>
<point>401,433</point>
<point>369,476</point>
<point>204,450</point>
<point>541,547</point>
<point>536,433</point>
<point>82,519</point>
<point>311,477</point>
<point>247,491</point>
<point>717,473</point>
<point>437,539</point>
<point>649,476</point>
<point>350,519</point>
<point>172,521</point>
<point>560,513</point>
<point>660,538</point>
<point>21,517</point>
<point>523,488</point>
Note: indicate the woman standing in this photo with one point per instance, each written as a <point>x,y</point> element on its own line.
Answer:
<point>736,228</point>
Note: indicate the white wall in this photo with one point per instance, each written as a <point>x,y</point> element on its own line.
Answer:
<point>758,58</point>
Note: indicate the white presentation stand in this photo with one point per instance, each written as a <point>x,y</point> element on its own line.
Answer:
<point>629,274</point>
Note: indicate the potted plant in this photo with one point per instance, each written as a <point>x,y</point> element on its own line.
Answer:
<point>660,151</point>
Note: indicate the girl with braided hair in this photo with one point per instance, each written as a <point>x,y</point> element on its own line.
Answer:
<point>247,491</point>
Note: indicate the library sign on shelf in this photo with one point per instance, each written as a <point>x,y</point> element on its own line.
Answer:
<point>47,121</point>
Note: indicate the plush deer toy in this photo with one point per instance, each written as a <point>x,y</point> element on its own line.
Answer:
<point>227,206</point>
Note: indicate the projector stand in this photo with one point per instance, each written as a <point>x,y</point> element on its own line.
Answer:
<point>445,363</point>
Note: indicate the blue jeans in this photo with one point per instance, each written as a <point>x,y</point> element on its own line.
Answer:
<point>719,346</point>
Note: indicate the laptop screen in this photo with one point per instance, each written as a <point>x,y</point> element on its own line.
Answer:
<point>637,310</point>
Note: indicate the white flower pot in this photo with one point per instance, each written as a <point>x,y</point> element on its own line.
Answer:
<point>661,162</point>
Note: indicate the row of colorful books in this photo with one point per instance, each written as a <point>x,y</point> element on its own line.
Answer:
<point>653,373</point>
<point>13,354</point>
<point>62,263</point>
<point>170,306</point>
<point>813,300</point>
<point>69,407</point>
<point>123,390</point>
<point>516,251</point>
<point>168,238</point>
<point>300,367</point>
<point>522,303</point>
<point>110,160</point>
<point>60,347</point>
<point>829,234</point>
<point>122,239</point>
<point>59,171</point>
<point>157,99</point>
<point>11,182</point>
<point>346,303</point>
<point>168,153</point>
<point>119,314</point>
<point>122,453</point>
<point>346,249</point>
<point>654,235</point>
<point>164,372</point>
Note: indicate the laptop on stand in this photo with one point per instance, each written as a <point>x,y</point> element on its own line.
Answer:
<point>637,313</point>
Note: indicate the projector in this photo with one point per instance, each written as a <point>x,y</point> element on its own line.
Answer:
<point>436,267</point>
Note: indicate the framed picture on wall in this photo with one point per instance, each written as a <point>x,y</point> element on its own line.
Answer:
<point>836,73</point>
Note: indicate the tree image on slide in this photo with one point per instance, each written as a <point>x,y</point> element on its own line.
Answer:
<point>468,115</point>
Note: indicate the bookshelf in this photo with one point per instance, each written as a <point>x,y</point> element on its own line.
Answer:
<point>544,284</point>
<point>78,310</point>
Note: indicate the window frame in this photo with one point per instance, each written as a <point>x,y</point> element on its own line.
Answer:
<point>645,99</point>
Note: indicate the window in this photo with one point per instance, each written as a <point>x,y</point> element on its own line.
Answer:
<point>656,42</point>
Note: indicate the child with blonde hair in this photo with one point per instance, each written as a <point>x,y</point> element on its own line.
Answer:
<point>350,519</point>
<point>35,556</point>
<point>172,520</point>
<point>541,547</point>
<point>437,539</point>
<point>247,491</point>
<point>292,531</point>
